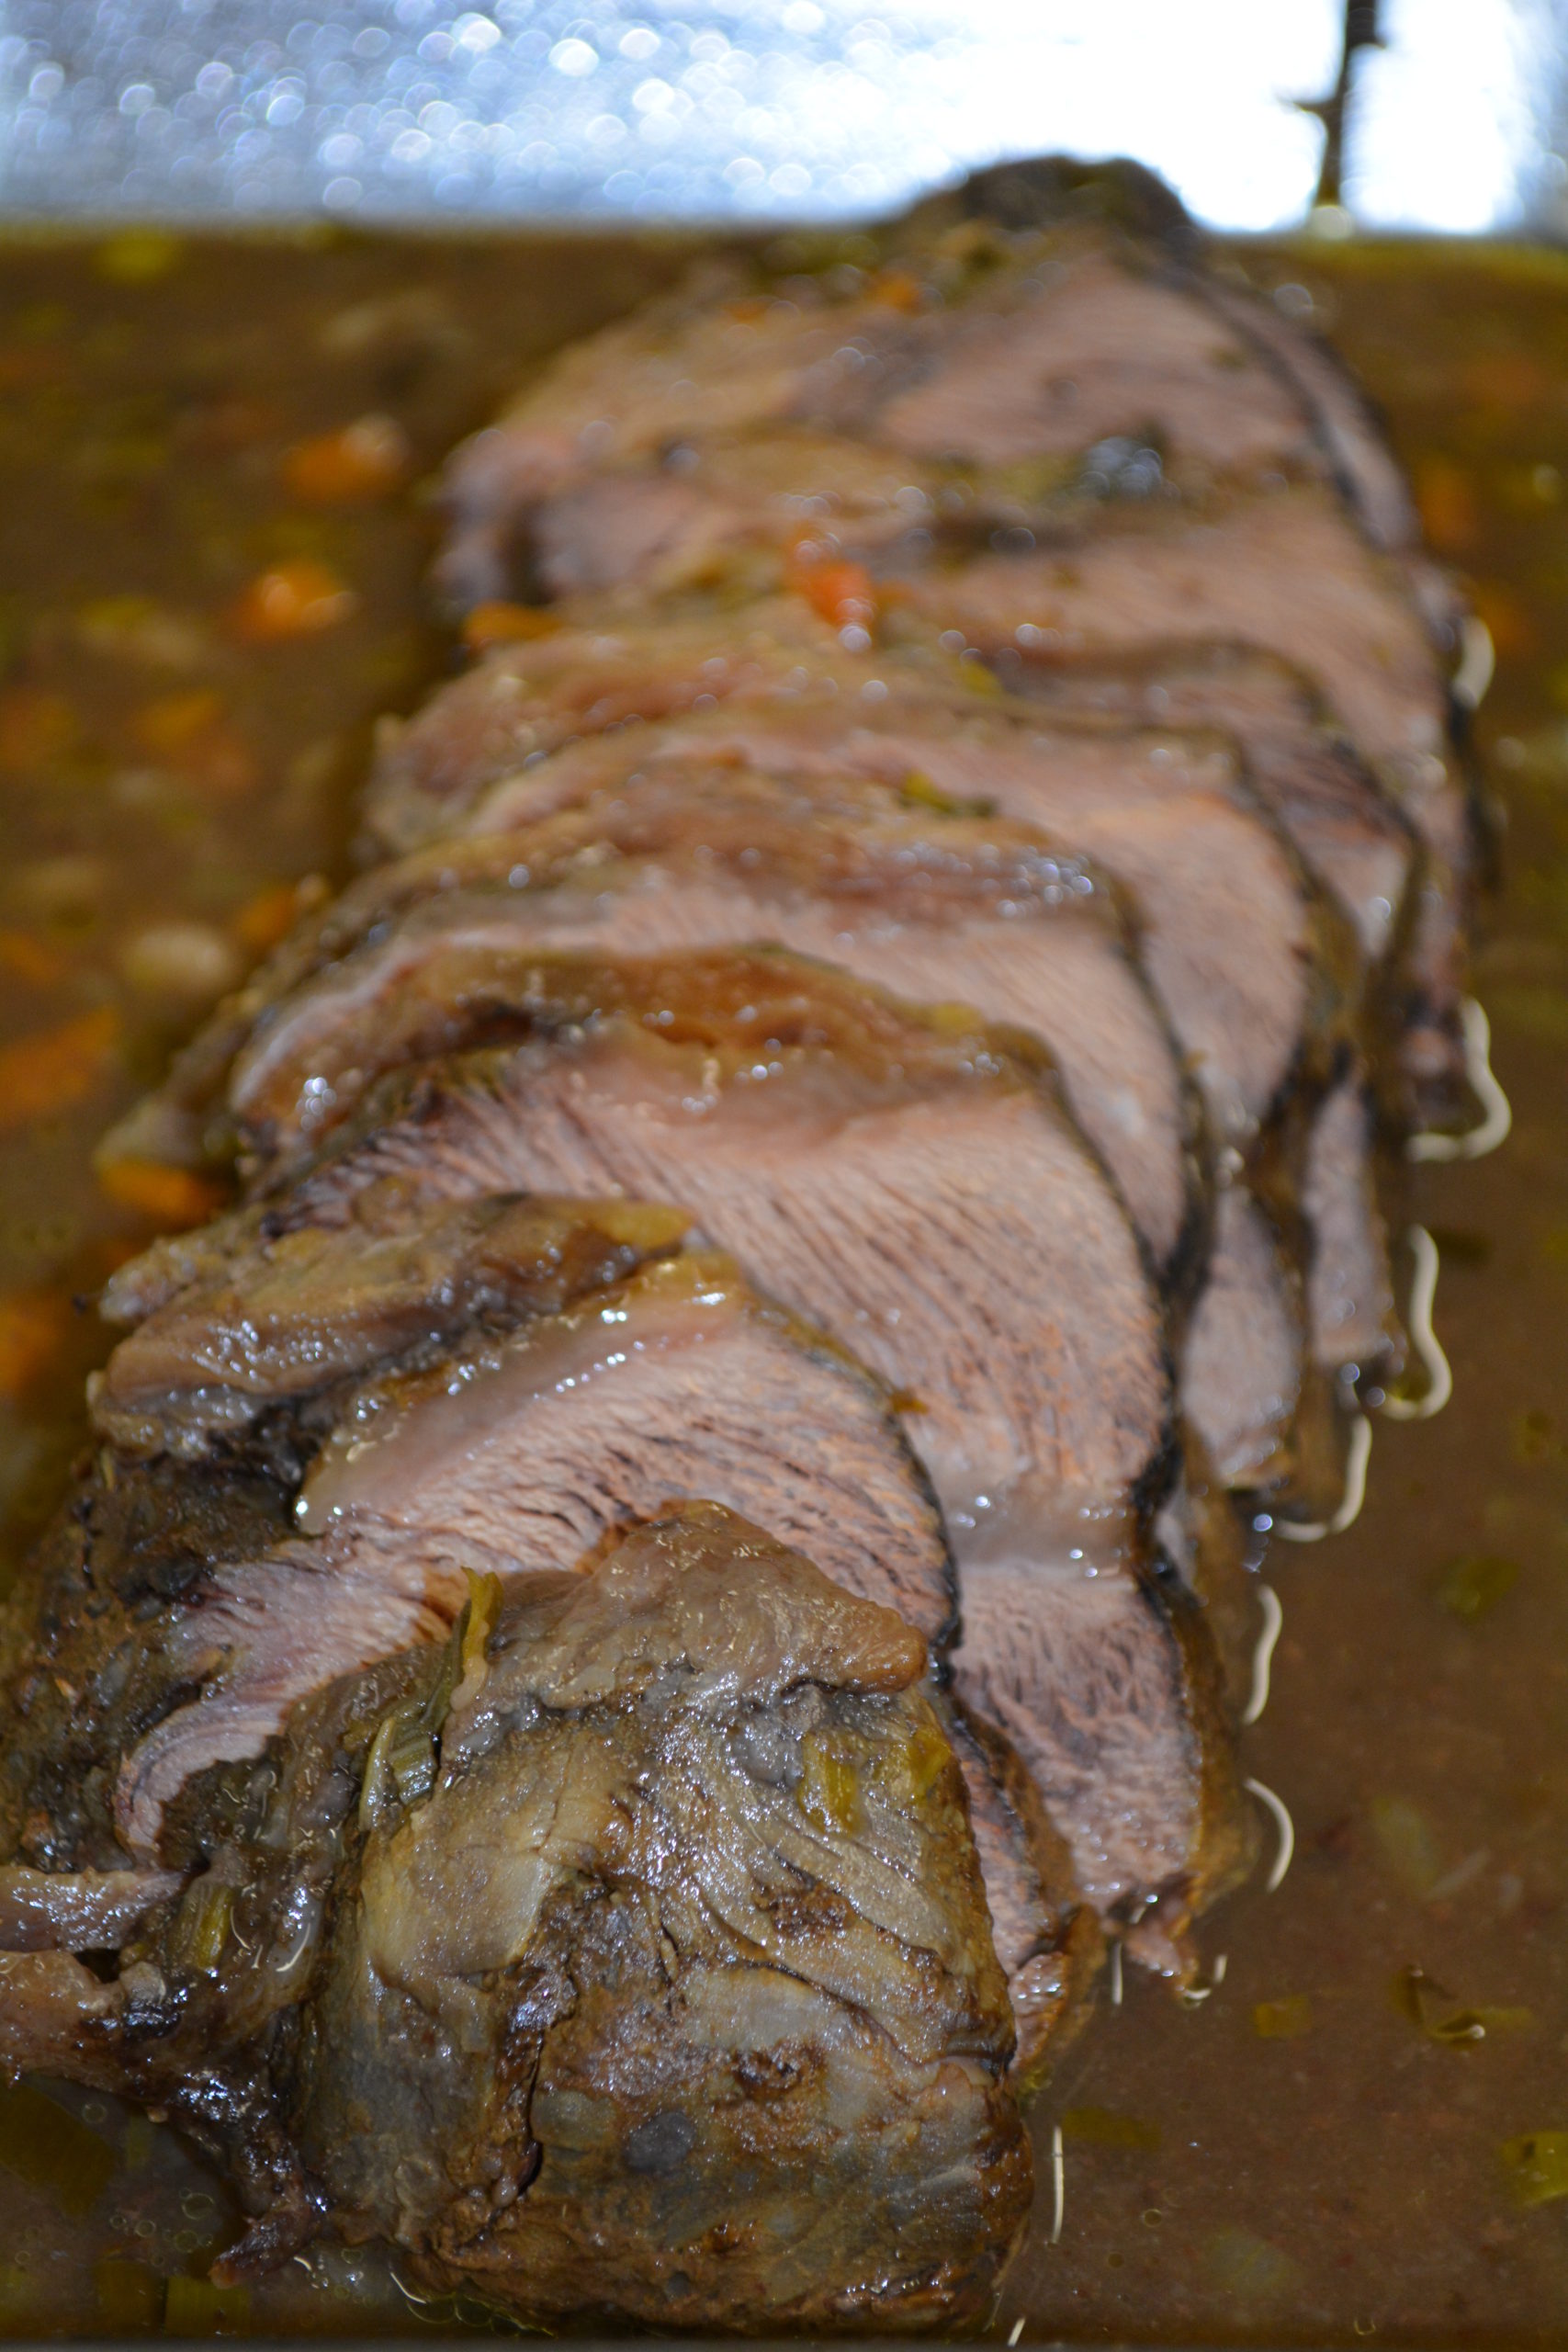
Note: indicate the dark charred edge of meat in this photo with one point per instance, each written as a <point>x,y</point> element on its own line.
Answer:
<point>1401,1005</point>
<point>1350,428</point>
<point>1442,1097</point>
<point>1046,192</point>
<point>1225,1846</point>
<point>1279,1180</point>
<point>1199,1531</point>
<point>1051,1990</point>
<point>92,1676</point>
<point>1192,657</point>
<point>1336,987</point>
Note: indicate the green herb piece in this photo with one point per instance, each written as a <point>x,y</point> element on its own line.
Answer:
<point>1472,1586</point>
<point>202,1928</point>
<point>401,1765</point>
<point>49,2149</point>
<point>1100,2127</point>
<point>1535,1438</point>
<point>1537,2167</point>
<point>1413,1993</point>
<point>919,791</point>
<point>1282,2020</point>
<point>1407,1843</point>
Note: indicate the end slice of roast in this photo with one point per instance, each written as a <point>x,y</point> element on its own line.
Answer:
<point>712,1793</point>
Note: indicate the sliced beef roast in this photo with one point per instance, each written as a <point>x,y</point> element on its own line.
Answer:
<point>1023,365</point>
<point>1231,942</point>
<point>1284,573</point>
<point>1250,975</point>
<point>1346,826</point>
<point>292,1314</point>
<point>910,1186</point>
<point>1047,1940</point>
<point>523,1450</point>
<point>928,904</point>
<point>578,1957</point>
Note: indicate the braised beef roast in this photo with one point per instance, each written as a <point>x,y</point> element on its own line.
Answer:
<point>578,1954</point>
<point>646,1601</point>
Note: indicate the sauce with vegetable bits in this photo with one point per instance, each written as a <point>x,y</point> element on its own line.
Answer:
<point>213,456</point>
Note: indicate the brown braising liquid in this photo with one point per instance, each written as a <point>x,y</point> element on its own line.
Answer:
<point>211,587</point>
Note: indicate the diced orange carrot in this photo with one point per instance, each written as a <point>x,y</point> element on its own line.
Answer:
<point>503,624</point>
<point>171,723</point>
<point>1512,631</point>
<point>36,727</point>
<point>163,1195</point>
<point>843,593</point>
<point>222,764</point>
<point>47,1073</point>
<point>367,459</point>
<point>291,600</point>
<point>33,1327</point>
<point>188,731</point>
<point>898,289</point>
<point>263,921</point>
<point>1449,515</point>
<point>33,365</point>
<point>30,959</point>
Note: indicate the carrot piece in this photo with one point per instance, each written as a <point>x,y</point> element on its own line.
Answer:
<point>27,958</point>
<point>291,600</point>
<point>47,1073</point>
<point>1446,497</point>
<point>898,289</point>
<point>33,1325</point>
<point>501,624</point>
<point>843,593</point>
<point>188,731</point>
<point>367,459</point>
<point>171,723</point>
<point>263,921</point>
<point>163,1195</point>
<point>36,727</point>
<point>1512,631</point>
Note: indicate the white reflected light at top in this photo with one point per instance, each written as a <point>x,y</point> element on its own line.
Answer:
<point>747,110</point>
<point>1443,135</point>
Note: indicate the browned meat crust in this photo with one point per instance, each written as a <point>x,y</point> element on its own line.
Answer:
<point>729,1942</point>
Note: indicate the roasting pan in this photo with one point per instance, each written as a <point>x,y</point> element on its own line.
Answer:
<point>1225,2181</point>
